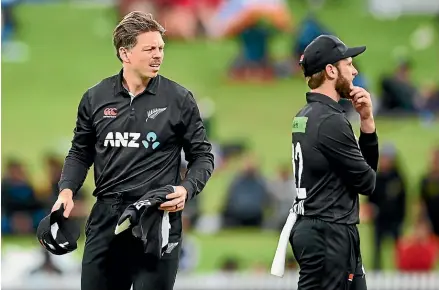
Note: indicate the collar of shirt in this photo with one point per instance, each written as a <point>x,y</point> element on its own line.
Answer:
<point>151,88</point>
<point>316,97</point>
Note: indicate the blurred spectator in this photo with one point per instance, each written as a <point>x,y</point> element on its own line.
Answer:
<point>230,265</point>
<point>309,29</point>
<point>247,197</point>
<point>187,19</point>
<point>283,193</point>
<point>235,16</point>
<point>21,211</point>
<point>388,200</point>
<point>182,19</point>
<point>189,256</point>
<point>398,93</point>
<point>13,49</point>
<point>253,61</point>
<point>231,151</point>
<point>48,193</point>
<point>54,167</point>
<point>9,24</point>
<point>430,192</point>
<point>430,99</point>
<point>127,6</point>
<point>418,251</point>
<point>252,23</point>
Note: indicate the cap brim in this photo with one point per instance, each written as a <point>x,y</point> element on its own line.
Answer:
<point>355,51</point>
<point>43,227</point>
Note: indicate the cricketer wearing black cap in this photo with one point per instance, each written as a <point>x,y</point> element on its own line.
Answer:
<point>331,168</point>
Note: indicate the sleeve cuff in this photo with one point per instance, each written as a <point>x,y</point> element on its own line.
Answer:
<point>67,185</point>
<point>368,138</point>
<point>190,188</point>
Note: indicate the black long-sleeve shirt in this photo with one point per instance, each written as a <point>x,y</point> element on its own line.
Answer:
<point>331,168</point>
<point>135,143</point>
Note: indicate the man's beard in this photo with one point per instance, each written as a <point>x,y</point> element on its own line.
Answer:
<point>343,87</point>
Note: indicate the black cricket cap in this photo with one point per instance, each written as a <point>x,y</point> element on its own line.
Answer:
<point>57,234</point>
<point>324,50</point>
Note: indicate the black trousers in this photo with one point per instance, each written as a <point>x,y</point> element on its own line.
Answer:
<point>117,262</point>
<point>328,255</point>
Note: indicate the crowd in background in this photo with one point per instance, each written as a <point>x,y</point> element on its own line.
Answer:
<point>387,208</point>
<point>257,201</point>
<point>252,199</point>
<point>254,24</point>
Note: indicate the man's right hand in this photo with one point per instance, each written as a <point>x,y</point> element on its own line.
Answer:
<point>362,102</point>
<point>65,197</point>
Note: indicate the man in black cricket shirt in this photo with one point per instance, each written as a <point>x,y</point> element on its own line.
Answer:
<point>331,168</point>
<point>133,126</point>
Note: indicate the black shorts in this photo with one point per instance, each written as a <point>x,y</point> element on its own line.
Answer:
<point>328,255</point>
<point>116,262</point>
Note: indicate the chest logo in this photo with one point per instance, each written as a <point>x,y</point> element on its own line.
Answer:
<point>154,113</point>
<point>131,139</point>
<point>110,113</point>
<point>151,140</point>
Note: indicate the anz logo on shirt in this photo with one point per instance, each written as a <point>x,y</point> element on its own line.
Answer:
<point>133,140</point>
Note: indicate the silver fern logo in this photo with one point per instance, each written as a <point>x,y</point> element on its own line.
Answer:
<point>154,113</point>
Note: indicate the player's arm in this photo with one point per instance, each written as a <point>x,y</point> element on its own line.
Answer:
<point>368,143</point>
<point>82,152</point>
<point>196,147</point>
<point>337,142</point>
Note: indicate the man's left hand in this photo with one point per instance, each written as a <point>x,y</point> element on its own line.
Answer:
<point>176,201</point>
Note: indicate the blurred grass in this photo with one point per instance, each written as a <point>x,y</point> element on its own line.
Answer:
<point>70,50</point>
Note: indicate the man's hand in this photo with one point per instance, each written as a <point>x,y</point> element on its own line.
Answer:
<point>177,200</point>
<point>363,105</point>
<point>362,102</point>
<point>65,197</point>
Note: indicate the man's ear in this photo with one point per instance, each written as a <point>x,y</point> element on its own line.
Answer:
<point>331,71</point>
<point>124,54</point>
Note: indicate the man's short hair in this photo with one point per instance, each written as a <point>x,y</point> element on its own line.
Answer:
<point>133,24</point>
<point>317,79</point>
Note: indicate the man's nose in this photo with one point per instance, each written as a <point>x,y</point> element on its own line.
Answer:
<point>157,54</point>
<point>355,72</point>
